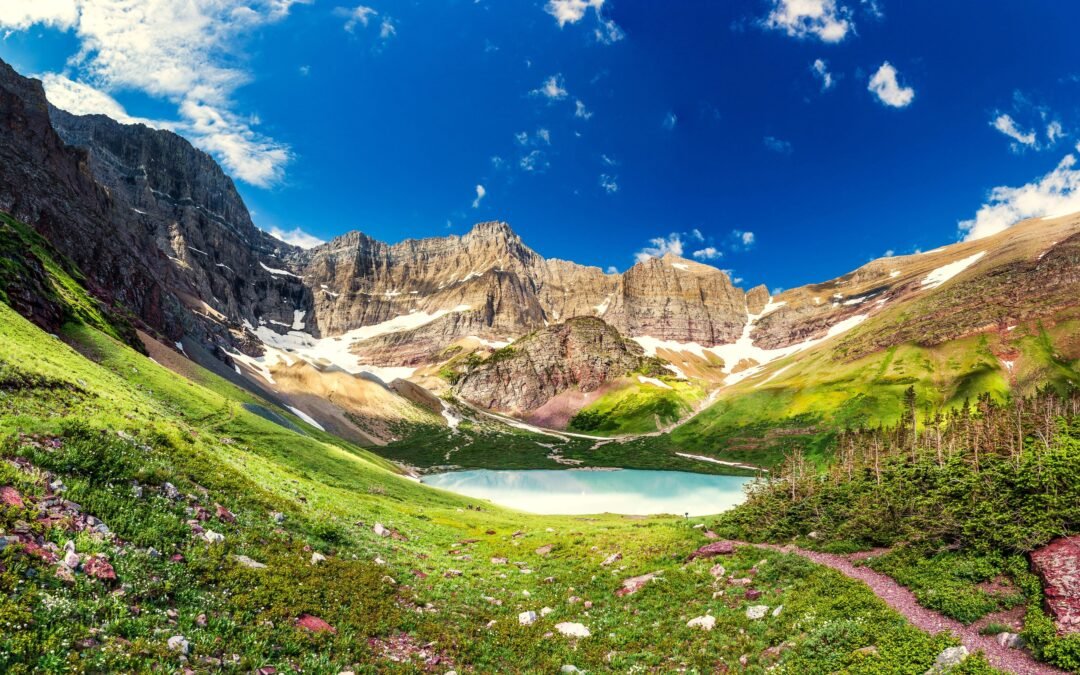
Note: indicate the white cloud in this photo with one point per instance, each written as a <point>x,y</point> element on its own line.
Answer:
<point>747,238</point>
<point>886,87</point>
<point>571,11</point>
<point>1055,194</point>
<point>609,183</point>
<point>481,192</point>
<point>660,246</point>
<point>183,51</point>
<point>581,111</point>
<point>708,253</point>
<point>357,16</point>
<point>1007,125</point>
<point>821,70</point>
<point>1055,132</point>
<point>670,120</point>
<point>777,145</point>
<point>822,19</point>
<point>696,234</point>
<point>16,15</point>
<point>543,136</point>
<point>608,161</point>
<point>612,269</point>
<point>553,88</point>
<point>79,98</point>
<point>296,237</point>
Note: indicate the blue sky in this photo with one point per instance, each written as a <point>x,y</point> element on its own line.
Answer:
<point>787,140</point>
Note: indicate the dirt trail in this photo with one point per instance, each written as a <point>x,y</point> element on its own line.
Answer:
<point>903,601</point>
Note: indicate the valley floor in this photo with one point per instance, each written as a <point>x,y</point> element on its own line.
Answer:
<point>151,522</point>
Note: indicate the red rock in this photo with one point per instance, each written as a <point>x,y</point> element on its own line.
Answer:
<point>9,496</point>
<point>711,536</point>
<point>99,568</point>
<point>45,554</point>
<point>224,514</point>
<point>714,549</point>
<point>634,584</point>
<point>1058,565</point>
<point>418,574</point>
<point>314,624</point>
<point>753,594</point>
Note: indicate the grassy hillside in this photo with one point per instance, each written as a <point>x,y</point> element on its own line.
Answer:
<point>142,470</point>
<point>800,402</point>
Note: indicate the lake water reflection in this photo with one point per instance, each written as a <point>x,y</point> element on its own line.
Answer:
<point>571,492</point>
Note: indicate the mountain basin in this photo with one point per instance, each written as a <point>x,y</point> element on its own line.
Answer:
<point>585,491</point>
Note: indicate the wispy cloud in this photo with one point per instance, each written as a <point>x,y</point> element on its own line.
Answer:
<point>886,87</point>
<point>534,162</point>
<point>571,11</point>
<point>179,51</point>
<point>670,120</point>
<point>609,183</point>
<point>777,145</point>
<point>1007,125</point>
<point>296,237</point>
<point>356,17</point>
<point>581,111</point>
<point>1054,194</point>
<point>1041,130</point>
<point>708,253</point>
<point>825,20</point>
<point>661,246</point>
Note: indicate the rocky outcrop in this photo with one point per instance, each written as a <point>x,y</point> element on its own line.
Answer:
<point>583,352</point>
<point>1058,566</point>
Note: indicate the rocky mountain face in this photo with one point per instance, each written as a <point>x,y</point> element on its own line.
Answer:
<point>582,353</point>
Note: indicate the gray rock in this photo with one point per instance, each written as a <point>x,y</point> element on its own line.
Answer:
<point>1010,640</point>
<point>248,562</point>
<point>178,643</point>
<point>948,659</point>
<point>756,612</point>
<point>527,618</point>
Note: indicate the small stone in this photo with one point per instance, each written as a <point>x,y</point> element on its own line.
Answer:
<point>380,530</point>
<point>317,558</point>
<point>635,584</point>
<point>527,618</point>
<point>717,571</point>
<point>705,623</point>
<point>756,612</point>
<point>153,552</point>
<point>452,573</point>
<point>200,621</point>
<point>72,560</point>
<point>776,612</point>
<point>213,537</point>
<point>224,514</point>
<point>572,629</point>
<point>499,561</point>
<point>1010,640</point>
<point>752,594</point>
<point>588,604</point>
<point>277,517</point>
<point>545,549</point>
<point>545,611</point>
<point>99,568</point>
<point>178,643</point>
<point>872,650</point>
<point>714,549</point>
<point>569,669</point>
<point>248,562</point>
<point>57,486</point>
<point>170,491</point>
<point>612,559</point>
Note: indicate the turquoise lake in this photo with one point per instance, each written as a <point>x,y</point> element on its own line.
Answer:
<point>576,492</point>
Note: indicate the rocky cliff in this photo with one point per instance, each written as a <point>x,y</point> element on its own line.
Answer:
<point>582,353</point>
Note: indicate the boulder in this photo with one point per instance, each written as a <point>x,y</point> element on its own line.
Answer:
<point>527,618</point>
<point>705,623</point>
<point>314,624</point>
<point>612,559</point>
<point>317,558</point>
<point>1058,565</point>
<point>948,659</point>
<point>756,612</point>
<point>571,629</point>
<point>714,549</point>
<point>9,496</point>
<point>178,643</point>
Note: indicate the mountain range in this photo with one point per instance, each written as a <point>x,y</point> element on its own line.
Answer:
<point>381,342</point>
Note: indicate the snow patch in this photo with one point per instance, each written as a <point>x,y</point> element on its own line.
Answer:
<point>278,272</point>
<point>946,272</point>
<point>680,266</point>
<point>602,308</point>
<point>298,319</point>
<point>653,381</point>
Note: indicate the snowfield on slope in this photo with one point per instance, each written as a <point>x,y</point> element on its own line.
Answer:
<point>946,272</point>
